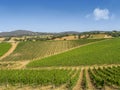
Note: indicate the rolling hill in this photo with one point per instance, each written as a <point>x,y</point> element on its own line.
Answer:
<point>104,52</point>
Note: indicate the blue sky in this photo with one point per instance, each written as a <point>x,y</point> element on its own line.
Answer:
<point>59,15</point>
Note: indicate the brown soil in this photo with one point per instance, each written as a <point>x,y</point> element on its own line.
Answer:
<point>108,88</point>
<point>22,64</point>
<point>76,67</point>
<point>62,87</point>
<point>49,87</point>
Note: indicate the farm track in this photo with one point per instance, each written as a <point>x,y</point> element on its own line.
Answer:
<point>74,67</point>
<point>14,45</point>
<point>22,64</point>
<point>62,87</point>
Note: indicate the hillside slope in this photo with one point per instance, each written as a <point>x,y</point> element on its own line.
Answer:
<point>104,52</point>
<point>39,49</point>
<point>4,47</point>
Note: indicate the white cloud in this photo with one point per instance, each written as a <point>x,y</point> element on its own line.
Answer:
<point>101,14</point>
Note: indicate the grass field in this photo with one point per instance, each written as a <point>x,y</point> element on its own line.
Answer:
<point>32,50</point>
<point>4,47</point>
<point>104,52</point>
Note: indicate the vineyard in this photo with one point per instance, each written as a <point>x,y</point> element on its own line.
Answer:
<point>66,79</point>
<point>55,77</point>
<point>109,76</point>
<point>77,65</point>
<point>104,52</point>
<point>4,47</point>
<point>33,50</point>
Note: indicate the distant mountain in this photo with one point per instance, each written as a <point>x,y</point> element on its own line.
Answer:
<point>22,33</point>
<point>18,33</point>
<point>30,33</point>
<point>69,32</point>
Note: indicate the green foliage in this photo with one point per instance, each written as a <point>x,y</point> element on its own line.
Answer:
<point>4,47</point>
<point>114,33</point>
<point>34,77</point>
<point>109,76</point>
<point>73,80</point>
<point>39,49</point>
<point>97,81</point>
<point>104,52</point>
<point>84,81</point>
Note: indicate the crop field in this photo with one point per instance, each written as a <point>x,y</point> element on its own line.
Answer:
<point>4,47</point>
<point>39,77</point>
<point>86,64</point>
<point>104,52</point>
<point>105,76</point>
<point>32,50</point>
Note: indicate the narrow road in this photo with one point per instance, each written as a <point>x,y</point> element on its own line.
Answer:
<point>74,67</point>
<point>22,64</point>
<point>14,45</point>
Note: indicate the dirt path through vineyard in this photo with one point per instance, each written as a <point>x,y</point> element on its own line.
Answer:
<point>13,47</point>
<point>24,63</point>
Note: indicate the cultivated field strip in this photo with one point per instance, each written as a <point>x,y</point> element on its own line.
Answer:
<point>75,78</point>
<point>40,49</point>
<point>103,79</point>
<point>4,47</point>
<point>99,53</point>
<point>99,78</point>
<point>57,78</point>
<point>13,47</point>
<point>74,67</point>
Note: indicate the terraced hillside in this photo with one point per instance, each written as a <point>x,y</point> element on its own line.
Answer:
<point>33,50</point>
<point>4,47</point>
<point>104,52</point>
